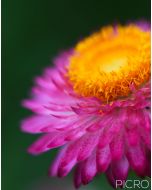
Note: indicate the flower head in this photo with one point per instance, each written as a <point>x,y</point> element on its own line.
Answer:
<point>95,103</point>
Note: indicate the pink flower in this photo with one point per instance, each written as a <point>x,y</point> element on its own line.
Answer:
<point>95,103</point>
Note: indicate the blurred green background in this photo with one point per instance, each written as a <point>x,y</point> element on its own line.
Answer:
<point>33,32</point>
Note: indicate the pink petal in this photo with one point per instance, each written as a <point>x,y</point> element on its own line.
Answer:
<point>63,170</point>
<point>68,160</point>
<point>136,158</point>
<point>117,147</point>
<point>77,175</point>
<point>89,169</point>
<point>36,124</point>
<point>103,158</point>
<point>53,170</point>
<point>46,142</point>
<point>75,134</point>
<point>87,145</point>
<point>133,137</point>
<point>111,178</point>
<point>120,169</point>
<point>108,133</point>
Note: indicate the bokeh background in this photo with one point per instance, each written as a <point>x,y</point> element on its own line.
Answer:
<point>33,32</point>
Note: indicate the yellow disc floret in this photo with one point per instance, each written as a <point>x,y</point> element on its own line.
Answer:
<point>105,64</point>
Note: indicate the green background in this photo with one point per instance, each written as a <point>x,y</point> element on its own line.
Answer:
<point>34,31</point>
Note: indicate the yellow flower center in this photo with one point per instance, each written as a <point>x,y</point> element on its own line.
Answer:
<point>105,64</point>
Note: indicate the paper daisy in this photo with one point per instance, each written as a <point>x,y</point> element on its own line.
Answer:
<point>94,103</point>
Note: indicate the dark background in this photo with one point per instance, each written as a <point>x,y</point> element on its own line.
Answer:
<point>33,32</point>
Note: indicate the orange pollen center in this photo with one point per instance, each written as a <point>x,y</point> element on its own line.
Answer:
<point>105,64</point>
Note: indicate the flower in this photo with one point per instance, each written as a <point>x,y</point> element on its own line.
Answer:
<point>95,103</point>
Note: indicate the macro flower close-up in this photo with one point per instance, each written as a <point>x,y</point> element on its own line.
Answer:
<point>94,105</point>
